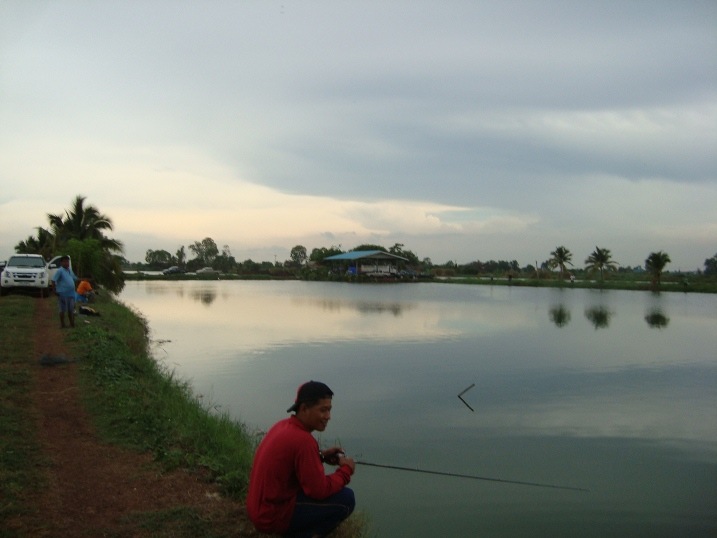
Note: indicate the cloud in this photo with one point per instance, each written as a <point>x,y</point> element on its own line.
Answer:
<point>466,130</point>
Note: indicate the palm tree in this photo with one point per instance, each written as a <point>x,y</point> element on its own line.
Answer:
<point>84,222</point>
<point>43,243</point>
<point>80,232</point>
<point>560,257</point>
<point>599,260</point>
<point>655,264</point>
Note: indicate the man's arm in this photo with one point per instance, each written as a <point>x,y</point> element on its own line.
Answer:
<point>336,456</point>
<point>312,477</point>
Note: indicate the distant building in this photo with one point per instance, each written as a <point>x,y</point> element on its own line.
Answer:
<point>373,263</point>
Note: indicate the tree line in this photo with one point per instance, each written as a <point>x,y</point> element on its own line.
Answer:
<point>81,232</point>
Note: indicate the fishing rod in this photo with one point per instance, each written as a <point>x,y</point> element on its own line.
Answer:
<point>473,477</point>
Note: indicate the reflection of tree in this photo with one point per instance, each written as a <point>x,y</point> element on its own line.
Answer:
<point>379,308</point>
<point>364,307</point>
<point>559,315</point>
<point>599,316</point>
<point>656,319</point>
<point>206,296</point>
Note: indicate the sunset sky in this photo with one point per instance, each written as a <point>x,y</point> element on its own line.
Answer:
<point>466,130</point>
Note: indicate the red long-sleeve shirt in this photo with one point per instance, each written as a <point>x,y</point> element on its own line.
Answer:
<point>286,462</point>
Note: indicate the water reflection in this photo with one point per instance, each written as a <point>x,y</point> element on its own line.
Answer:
<point>559,315</point>
<point>204,295</point>
<point>599,316</point>
<point>656,319</point>
<point>365,307</point>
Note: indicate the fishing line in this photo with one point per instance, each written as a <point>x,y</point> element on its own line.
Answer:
<point>472,477</point>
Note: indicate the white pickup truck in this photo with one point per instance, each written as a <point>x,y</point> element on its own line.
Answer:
<point>28,271</point>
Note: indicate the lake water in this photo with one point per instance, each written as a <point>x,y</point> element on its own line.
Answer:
<point>611,391</point>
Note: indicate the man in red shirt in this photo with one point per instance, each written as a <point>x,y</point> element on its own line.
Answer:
<point>289,492</point>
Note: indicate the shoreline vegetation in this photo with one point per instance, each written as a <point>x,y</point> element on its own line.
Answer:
<point>670,282</point>
<point>135,401</point>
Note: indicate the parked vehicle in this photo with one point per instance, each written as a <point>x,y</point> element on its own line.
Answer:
<point>207,271</point>
<point>25,271</point>
<point>29,272</point>
<point>172,270</point>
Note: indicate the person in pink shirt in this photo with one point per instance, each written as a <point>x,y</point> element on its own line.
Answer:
<point>289,491</point>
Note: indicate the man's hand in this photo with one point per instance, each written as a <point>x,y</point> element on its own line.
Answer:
<point>343,460</point>
<point>331,455</point>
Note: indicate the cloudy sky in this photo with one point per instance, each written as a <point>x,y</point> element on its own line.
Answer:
<point>466,130</point>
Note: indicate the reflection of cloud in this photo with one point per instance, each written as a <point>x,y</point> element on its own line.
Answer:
<point>621,404</point>
<point>640,415</point>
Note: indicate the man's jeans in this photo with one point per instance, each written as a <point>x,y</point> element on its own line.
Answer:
<point>313,517</point>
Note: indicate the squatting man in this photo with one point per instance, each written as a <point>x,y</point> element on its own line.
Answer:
<point>289,491</point>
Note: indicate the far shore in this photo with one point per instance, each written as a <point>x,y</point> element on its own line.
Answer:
<point>672,282</point>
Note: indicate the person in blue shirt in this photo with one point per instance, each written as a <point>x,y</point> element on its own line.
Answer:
<point>64,282</point>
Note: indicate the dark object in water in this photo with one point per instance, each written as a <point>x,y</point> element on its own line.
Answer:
<point>460,397</point>
<point>53,360</point>
<point>88,311</point>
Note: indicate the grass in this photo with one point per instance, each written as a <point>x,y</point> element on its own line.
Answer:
<point>20,456</point>
<point>139,403</point>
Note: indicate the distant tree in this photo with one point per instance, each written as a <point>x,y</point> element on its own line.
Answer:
<point>318,254</point>
<point>225,262</point>
<point>561,257</point>
<point>600,260</point>
<point>655,264</point>
<point>398,250</point>
<point>250,266</point>
<point>298,255</point>
<point>160,259</point>
<point>369,247</point>
<point>711,265</point>
<point>181,256</point>
<point>205,251</point>
<point>472,268</point>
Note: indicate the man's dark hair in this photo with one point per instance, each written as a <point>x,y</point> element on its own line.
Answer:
<point>310,393</point>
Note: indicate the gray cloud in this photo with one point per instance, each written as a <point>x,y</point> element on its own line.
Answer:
<point>516,107</point>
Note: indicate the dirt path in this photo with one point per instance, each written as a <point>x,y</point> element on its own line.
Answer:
<point>95,489</point>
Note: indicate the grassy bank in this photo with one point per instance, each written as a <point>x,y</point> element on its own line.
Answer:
<point>134,402</point>
<point>139,403</point>
<point>20,457</point>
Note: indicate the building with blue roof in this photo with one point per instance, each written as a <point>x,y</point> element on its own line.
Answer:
<point>372,263</point>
